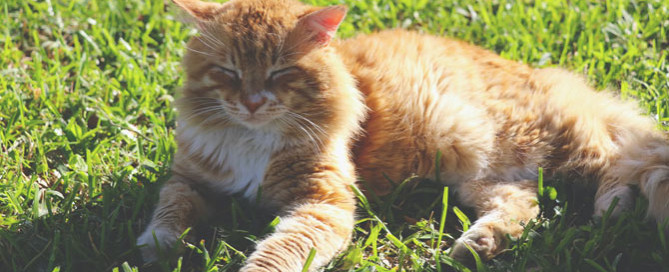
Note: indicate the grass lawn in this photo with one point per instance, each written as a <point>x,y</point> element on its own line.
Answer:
<point>87,136</point>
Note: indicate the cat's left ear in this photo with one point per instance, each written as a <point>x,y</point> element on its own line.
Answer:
<point>200,10</point>
<point>321,25</point>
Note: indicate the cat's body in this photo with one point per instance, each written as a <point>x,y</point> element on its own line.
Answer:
<point>271,104</point>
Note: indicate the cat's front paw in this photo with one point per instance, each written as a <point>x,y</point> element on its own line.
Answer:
<point>482,240</point>
<point>155,240</point>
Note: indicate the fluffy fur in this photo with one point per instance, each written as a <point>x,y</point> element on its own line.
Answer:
<point>272,103</point>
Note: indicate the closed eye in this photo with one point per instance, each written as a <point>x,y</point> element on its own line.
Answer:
<point>282,72</point>
<point>229,72</point>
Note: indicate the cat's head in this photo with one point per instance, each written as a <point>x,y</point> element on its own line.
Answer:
<point>260,63</point>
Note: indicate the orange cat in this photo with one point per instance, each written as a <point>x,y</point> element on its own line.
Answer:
<point>272,103</point>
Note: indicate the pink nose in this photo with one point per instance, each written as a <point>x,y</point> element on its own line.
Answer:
<point>252,103</point>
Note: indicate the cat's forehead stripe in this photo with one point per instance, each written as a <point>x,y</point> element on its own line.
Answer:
<point>257,34</point>
<point>254,51</point>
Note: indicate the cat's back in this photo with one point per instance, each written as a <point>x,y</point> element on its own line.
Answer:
<point>428,93</point>
<point>400,58</point>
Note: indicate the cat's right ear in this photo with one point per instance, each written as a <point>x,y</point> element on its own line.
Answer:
<point>200,10</point>
<point>321,25</point>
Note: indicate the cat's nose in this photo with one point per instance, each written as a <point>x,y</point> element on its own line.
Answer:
<point>253,102</point>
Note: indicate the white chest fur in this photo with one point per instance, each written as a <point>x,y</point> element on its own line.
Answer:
<point>240,155</point>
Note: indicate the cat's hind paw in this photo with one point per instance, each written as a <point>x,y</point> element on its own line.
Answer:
<point>155,241</point>
<point>625,201</point>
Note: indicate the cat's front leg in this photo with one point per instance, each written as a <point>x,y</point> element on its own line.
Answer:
<point>179,207</point>
<point>503,208</point>
<point>316,207</point>
<point>325,227</point>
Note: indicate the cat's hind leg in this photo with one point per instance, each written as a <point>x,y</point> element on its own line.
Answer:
<point>502,208</point>
<point>608,139</point>
<point>179,207</point>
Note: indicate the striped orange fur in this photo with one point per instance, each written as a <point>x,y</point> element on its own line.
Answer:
<point>272,103</point>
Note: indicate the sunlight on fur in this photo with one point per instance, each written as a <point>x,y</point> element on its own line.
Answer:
<point>271,102</point>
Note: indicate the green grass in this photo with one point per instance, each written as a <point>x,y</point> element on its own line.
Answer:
<point>87,136</point>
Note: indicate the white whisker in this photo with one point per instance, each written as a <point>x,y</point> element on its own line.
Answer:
<point>218,116</point>
<point>203,111</point>
<point>314,125</point>
<point>316,132</point>
<point>291,123</point>
<point>203,53</point>
<point>210,36</point>
<point>206,44</point>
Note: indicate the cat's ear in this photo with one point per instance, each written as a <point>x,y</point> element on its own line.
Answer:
<point>321,25</point>
<point>200,10</point>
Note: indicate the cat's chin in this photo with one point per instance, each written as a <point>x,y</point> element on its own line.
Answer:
<point>253,122</point>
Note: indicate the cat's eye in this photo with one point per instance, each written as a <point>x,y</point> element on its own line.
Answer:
<point>282,72</point>
<point>229,72</point>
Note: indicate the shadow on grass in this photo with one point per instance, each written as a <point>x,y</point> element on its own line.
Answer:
<point>94,234</point>
<point>99,233</point>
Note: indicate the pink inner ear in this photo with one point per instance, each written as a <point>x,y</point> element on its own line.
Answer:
<point>325,22</point>
<point>333,18</point>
